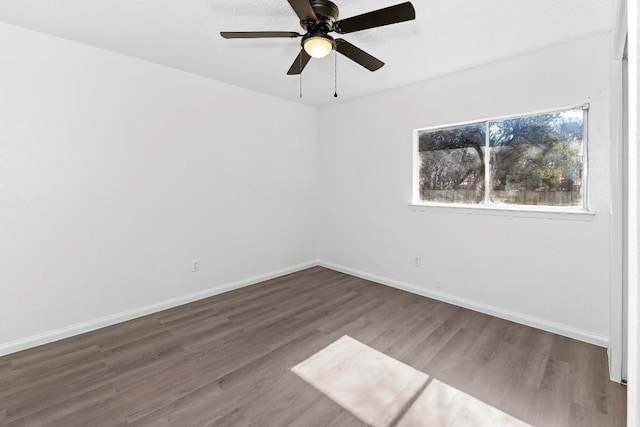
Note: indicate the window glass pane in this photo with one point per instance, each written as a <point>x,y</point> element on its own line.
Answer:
<point>537,160</point>
<point>451,164</point>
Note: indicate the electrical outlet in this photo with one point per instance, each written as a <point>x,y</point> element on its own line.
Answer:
<point>195,266</point>
<point>438,282</point>
<point>417,261</point>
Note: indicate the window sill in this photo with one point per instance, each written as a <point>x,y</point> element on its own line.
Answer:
<point>542,213</point>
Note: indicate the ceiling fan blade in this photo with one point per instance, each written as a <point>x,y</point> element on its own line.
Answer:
<point>378,18</point>
<point>300,62</point>
<point>258,34</point>
<point>304,10</point>
<point>358,55</point>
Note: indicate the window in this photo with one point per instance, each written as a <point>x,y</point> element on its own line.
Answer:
<point>532,160</point>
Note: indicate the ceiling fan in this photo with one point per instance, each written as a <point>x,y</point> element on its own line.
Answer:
<point>320,17</point>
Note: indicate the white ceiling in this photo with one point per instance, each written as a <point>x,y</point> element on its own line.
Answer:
<point>447,35</point>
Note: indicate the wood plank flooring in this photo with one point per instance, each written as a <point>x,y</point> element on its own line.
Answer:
<point>226,360</point>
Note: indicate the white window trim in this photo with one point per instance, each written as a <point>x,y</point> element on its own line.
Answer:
<point>522,211</point>
<point>575,213</point>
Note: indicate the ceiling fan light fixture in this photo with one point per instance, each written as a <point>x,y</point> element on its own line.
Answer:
<point>318,46</point>
<point>318,18</point>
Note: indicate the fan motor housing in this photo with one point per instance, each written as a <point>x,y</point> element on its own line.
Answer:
<point>327,13</point>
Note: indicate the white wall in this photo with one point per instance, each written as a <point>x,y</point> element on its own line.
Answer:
<point>115,173</point>
<point>633,333</point>
<point>546,272</point>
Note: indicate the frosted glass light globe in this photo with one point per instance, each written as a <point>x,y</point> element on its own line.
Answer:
<point>318,47</point>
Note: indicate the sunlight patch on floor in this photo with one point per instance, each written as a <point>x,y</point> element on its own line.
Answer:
<point>443,405</point>
<point>384,392</point>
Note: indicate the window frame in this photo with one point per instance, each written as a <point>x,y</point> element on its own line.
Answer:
<point>582,212</point>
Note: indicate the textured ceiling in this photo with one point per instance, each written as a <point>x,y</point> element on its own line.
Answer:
<point>447,35</point>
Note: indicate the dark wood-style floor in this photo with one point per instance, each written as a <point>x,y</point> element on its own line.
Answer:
<point>226,360</point>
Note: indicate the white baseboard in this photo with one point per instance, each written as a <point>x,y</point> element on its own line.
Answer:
<point>556,328</point>
<point>101,322</point>
<point>112,319</point>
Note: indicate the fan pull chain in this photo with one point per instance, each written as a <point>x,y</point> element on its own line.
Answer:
<point>300,57</point>
<point>335,80</point>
